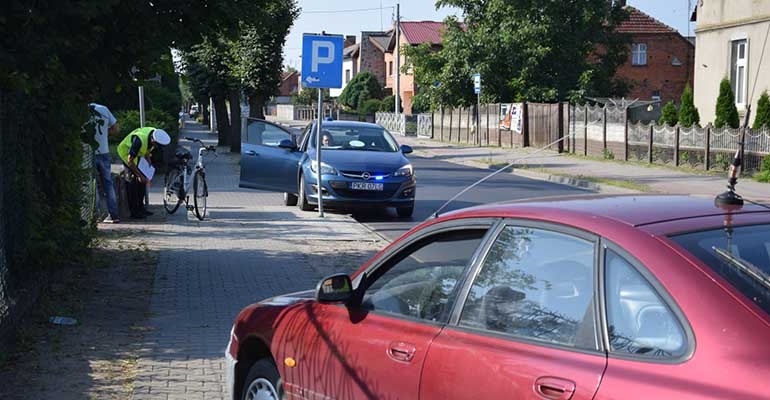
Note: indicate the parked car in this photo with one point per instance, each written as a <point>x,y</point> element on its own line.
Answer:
<point>361,166</point>
<point>600,297</point>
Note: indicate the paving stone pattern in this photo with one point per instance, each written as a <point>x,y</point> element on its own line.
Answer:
<point>249,248</point>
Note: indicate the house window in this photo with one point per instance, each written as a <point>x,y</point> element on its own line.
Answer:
<point>347,75</point>
<point>390,68</point>
<point>738,57</point>
<point>639,54</point>
<point>656,95</point>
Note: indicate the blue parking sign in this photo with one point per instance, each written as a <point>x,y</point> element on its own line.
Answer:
<point>322,61</point>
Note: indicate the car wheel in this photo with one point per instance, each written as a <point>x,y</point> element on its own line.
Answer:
<point>289,199</point>
<point>405,212</point>
<point>302,197</point>
<point>263,382</point>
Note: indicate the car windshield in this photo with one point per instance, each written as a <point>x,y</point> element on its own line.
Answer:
<point>355,138</point>
<point>741,255</point>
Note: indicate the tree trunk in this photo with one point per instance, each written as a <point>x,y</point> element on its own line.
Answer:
<point>257,106</point>
<point>205,112</point>
<point>223,123</point>
<point>234,140</point>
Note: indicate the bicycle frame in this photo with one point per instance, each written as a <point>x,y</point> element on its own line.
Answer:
<point>181,177</point>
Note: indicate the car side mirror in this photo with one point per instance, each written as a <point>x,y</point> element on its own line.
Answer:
<point>406,149</point>
<point>334,289</point>
<point>287,144</point>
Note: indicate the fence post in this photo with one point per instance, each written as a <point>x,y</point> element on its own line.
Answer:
<point>468,124</point>
<point>486,112</point>
<point>625,134</point>
<point>524,124</point>
<point>676,145</point>
<point>604,128</point>
<point>649,148</point>
<point>707,161</point>
<point>451,115</point>
<point>585,133</point>
<point>497,125</point>
<point>561,127</point>
<point>441,128</point>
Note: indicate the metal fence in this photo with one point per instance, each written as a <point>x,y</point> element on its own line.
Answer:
<point>395,123</point>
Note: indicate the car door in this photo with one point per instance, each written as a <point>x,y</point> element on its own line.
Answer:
<point>265,165</point>
<point>377,349</point>
<point>526,327</point>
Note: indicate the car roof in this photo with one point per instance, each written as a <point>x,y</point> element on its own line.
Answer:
<point>347,124</point>
<point>636,210</point>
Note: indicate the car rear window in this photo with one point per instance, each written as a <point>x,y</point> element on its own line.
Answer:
<point>739,254</point>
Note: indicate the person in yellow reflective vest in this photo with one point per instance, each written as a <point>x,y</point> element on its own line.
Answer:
<point>139,144</point>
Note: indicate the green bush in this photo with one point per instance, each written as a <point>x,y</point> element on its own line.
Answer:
<point>688,114</point>
<point>726,113</point>
<point>370,106</point>
<point>362,85</point>
<point>158,97</point>
<point>763,112</point>
<point>420,104</point>
<point>668,114</point>
<point>388,104</point>
<point>765,166</point>
<point>129,121</point>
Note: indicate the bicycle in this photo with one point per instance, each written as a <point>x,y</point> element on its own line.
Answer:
<point>176,187</point>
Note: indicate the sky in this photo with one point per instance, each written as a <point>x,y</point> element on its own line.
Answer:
<point>347,17</point>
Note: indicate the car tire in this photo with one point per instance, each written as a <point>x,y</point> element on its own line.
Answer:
<point>302,197</point>
<point>289,199</point>
<point>263,382</point>
<point>405,212</point>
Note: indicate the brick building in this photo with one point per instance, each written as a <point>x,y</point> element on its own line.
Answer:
<point>660,61</point>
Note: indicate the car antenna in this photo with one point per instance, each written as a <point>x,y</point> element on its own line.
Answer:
<point>730,198</point>
<point>531,155</point>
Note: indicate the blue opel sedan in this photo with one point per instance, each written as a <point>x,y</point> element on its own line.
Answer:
<point>362,165</point>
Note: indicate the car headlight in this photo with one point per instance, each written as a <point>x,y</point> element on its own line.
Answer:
<point>326,169</point>
<point>406,170</point>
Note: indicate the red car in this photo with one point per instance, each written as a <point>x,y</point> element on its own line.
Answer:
<point>619,297</point>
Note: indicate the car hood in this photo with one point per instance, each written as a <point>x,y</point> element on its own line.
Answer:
<point>288,299</point>
<point>355,160</point>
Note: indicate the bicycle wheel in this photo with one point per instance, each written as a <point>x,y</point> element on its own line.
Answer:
<point>172,190</point>
<point>201,192</point>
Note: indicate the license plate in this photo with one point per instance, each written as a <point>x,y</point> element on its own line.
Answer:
<point>366,186</point>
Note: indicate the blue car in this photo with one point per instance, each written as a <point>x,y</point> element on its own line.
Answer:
<point>362,165</point>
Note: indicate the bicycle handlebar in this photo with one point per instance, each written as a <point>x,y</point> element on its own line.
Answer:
<point>213,147</point>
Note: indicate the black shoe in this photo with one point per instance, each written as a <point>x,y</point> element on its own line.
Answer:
<point>148,213</point>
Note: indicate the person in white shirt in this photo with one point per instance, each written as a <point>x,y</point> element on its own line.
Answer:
<point>105,124</point>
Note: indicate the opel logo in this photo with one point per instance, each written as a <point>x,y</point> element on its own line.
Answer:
<point>366,176</point>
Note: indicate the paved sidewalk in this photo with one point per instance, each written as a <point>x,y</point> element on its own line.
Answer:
<point>571,170</point>
<point>249,248</point>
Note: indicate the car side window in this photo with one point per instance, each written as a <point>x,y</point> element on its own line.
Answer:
<point>535,284</point>
<point>639,321</point>
<point>266,134</point>
<point>421,281</point>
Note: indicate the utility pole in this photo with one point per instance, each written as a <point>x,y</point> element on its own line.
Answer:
<point>398,58</point>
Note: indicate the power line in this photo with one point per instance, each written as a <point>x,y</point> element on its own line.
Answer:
<point>345,11</point>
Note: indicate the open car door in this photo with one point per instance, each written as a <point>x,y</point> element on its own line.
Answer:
<point>269,157</point>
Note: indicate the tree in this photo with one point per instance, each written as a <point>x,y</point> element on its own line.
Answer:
<point>763,113</point>
<point>669,114</point>
<point>362,87</point>
<point>688,114</point>
<point>727,112</point>
<point>534,50</point>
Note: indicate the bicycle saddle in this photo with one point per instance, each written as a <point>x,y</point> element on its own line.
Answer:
<point>183,154</point>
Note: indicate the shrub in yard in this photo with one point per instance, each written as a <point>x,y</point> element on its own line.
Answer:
<point>688,114</point>
<point>727,113</point>
<point>668,114</point>
<point>370,107</point>
<point>763,114</point>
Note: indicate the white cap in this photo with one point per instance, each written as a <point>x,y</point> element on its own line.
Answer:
<point>161,137</point>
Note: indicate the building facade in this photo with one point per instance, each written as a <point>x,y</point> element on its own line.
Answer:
<point>660,61</point>
<point>731,38</point>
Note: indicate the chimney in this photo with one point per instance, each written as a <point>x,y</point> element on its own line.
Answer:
<point>349,40</point>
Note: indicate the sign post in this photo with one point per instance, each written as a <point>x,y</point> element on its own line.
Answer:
<point>477,90</point>
<point>321,69</point>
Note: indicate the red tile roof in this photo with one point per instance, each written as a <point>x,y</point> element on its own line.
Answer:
<point>417,32</point>
<point>639,22</point>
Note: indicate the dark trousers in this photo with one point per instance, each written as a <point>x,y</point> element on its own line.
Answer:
<point>136,191</point>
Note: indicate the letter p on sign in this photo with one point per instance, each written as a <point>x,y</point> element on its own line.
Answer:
<point>322,61</point>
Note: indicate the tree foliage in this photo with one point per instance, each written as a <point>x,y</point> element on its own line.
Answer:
<point>688,114</point>
<point>362,87</point>
<point>762,117</point>
<point>538,50</point>
<point>668,114</point>
<point>727,112</point>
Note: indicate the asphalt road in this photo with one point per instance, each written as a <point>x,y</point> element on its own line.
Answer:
<point>438,181</point>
